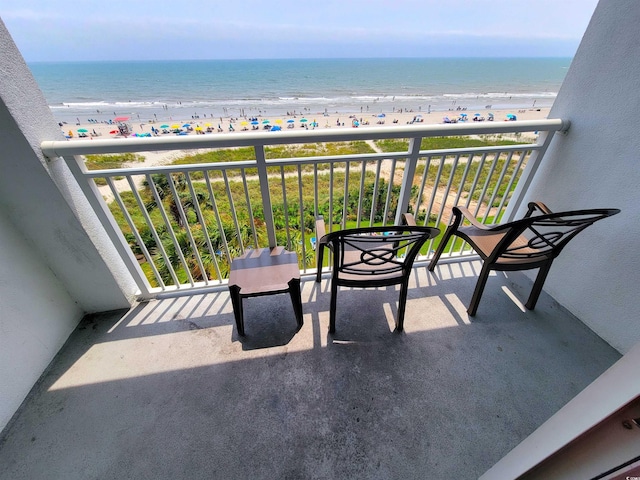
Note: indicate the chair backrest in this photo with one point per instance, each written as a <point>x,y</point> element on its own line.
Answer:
<point>364,253</point>
<point>544,236</point>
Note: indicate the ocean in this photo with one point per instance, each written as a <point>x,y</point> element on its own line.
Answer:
<point>165,90</point>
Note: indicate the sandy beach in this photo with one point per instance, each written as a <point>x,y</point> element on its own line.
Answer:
<point>88,129</point>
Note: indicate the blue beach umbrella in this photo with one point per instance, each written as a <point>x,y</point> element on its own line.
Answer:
<point>164,126</point>
<point>381,115</point>
<point>254,122</point>
<point>186,125</point>
<point>290,120</point>
<point>303,120</point>
<point>275,128</point>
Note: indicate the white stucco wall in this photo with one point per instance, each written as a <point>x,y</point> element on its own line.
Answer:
<point>53,267</point>
<point>36,317</point>
<point>597,165</point>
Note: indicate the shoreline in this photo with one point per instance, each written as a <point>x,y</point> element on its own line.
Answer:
<point>210,125</point>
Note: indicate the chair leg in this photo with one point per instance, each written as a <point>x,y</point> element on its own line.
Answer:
<point>332,308</point>
<point>296,299</point>
<point>402,303</point>
<point>537,286</point>
<point>441,246</point>
<point>477,293</point>
<point>236,301</point>
<point>320,256</point>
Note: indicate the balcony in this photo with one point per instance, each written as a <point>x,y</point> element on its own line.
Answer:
<point>168,389</point>
<point>174,392</point>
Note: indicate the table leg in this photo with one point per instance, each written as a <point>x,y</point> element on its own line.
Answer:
<point>296,299</point>
<point>236,301</point>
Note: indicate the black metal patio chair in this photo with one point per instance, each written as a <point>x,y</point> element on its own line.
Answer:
<point>531,242</point>
<point>372,257</point>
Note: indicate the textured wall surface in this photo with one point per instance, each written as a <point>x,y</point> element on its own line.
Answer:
<point>53,268</point>
<point>597,165</point>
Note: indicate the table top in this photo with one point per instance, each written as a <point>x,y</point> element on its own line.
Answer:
<point>264,270</point>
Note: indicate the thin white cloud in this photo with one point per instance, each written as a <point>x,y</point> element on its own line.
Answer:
<point>156,29</point>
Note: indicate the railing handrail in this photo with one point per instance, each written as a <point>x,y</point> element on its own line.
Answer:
<point>58,148</point>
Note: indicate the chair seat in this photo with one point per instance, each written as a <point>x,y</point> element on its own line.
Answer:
<point>484,242</point>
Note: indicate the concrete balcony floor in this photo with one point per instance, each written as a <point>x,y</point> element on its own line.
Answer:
<point>168,389</point>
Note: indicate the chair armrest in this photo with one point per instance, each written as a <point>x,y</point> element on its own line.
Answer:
<point>533,206</point>
<point>409,219</point>
<point>463,213</point>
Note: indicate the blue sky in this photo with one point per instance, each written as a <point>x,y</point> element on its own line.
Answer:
<point>198,29</point>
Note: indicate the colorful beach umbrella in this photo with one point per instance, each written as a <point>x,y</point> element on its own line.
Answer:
<point>279,122</point>
<point>266,121</point>
<point>121,119</point>
<point>113,132</point>
<point>275,128</point>
<point>164,126</point>
<point>175,126</point>
<point>244,123</point>
<point>186,125</point>
<point>291,120</point>
<point>82,130</point>
<point>254,122</point>
<point>303,120</point>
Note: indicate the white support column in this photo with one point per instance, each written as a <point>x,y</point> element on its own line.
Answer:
<point>267,210</point>
<point>407,178</point>
<point>88,186</point>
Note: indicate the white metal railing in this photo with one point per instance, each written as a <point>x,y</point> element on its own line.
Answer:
<point>179,226</point>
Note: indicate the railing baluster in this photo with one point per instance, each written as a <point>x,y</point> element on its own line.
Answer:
<point>187,228</point>
<point>345,199</point>
<point>169,228</point>
<point>135,231</point>
<point>514,176</point>
<point>284,205</point>
<point>387,202</point>
<point>363,174</point>
<point>374,195</point>
<point>247,199</point>
<point>234,215</point>
<point>487,183</point>
<point>498,183</point>
<point>302,226</point>
<point>203,225</point>
<point>221,232</point>
<point>463,180</point>
<point>423,182</point>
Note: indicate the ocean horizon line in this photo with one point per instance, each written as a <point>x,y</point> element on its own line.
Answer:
<point>188,60</point>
